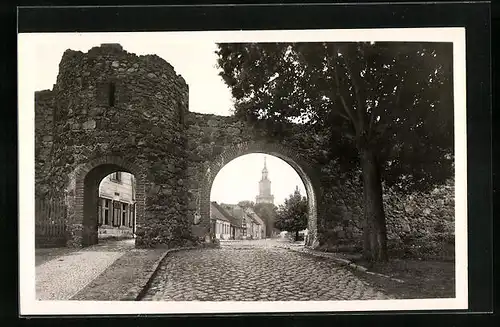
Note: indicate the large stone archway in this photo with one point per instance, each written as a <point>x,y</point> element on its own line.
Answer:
<point>303,169</point>
<point>111,110</point>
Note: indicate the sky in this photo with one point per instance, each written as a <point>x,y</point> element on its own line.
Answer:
<point>195,60</point>
<point>239,179</point>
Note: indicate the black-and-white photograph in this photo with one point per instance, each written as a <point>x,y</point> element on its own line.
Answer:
<point>243,171</point>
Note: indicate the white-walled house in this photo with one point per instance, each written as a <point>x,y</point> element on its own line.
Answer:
<point>116,205</point>
<point>259,227</point>
<point>221,225</point>
<point>247,224</point>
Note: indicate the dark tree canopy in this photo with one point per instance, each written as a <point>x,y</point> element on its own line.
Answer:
<point>266,211</point>
<point>395,98</point>
<point>386,109</point>
<point>292,215</point>
<point>246,204</point>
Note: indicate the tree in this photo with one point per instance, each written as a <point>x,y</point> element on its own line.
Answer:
<point>386,107</point>
<point>292,215</point>
<point>267,212</point>
<point>246,204</point>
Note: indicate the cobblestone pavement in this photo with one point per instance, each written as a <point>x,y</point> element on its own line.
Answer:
<point>65,275</point>
<point>259,270</point>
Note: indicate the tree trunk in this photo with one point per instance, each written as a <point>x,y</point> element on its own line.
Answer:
<point>296,235</point>
<point>375,234</point>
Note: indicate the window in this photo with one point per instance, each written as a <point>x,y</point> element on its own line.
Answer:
<point>116,214</point>
<point>116,177</point>
<point>124,214</point>
<point>131,215</point>
<point>111,94</point>
<point>106,211</point>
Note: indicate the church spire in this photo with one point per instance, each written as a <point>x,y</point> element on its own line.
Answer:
<point>265,195</point>
<point>264,171</point>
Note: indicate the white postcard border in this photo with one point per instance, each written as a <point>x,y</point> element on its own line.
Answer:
<point>27,60</point>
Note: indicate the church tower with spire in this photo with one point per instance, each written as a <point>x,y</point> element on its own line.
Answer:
<point>265,195</point>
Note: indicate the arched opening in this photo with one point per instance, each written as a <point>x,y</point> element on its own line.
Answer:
<point>109,201</point>
<point>247,195</point>
<point>301,167</point>
<point>116,206</point>
<point>109,194</point>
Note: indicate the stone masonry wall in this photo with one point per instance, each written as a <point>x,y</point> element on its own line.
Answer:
<point>44,120</point>
<point>419,225</point>
<point>113,110</point>
<point>213,141</point>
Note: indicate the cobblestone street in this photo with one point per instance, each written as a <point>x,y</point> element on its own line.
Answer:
<point>259,270</point>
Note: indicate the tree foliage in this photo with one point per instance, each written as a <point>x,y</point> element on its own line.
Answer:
<point>267,212</point>
<point>292,215</point>
<point>393,97</point>
<point>246,204</point>
<point>386,108</point>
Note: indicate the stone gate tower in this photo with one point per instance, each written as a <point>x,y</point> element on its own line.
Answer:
<point>114,111</point>
<point>265,195</point>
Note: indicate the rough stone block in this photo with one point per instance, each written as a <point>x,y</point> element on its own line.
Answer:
<point>90,124</point>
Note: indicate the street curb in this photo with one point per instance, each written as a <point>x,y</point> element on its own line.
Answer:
<point>344,262</point>
<point>138,295</point>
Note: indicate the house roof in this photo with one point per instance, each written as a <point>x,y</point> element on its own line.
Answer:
<point>224,213</point>
<point>235,212</point>
<point>215,212</point>
<point>254,216</point>
<point>240,213</point>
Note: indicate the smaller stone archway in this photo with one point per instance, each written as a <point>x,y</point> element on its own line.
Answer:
<point>301,166</point>
<point>83,193</point>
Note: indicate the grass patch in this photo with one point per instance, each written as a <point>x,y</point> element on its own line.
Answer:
<point>422,279</point>
<point>425,277</point>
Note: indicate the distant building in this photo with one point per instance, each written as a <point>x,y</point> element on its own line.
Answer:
<point>260,226</point>
<point>240,223</point>
<point>221,224</point>
<point>116,205</point>
<point>265,195</point>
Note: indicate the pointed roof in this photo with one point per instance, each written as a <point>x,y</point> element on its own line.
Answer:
<point>224,212</point>
<point>216,213</point>
<point>236,211</point>
<point>264,171</point>
<point>254,216</point>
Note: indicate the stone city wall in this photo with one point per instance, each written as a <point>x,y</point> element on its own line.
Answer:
<point>111,110</point>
